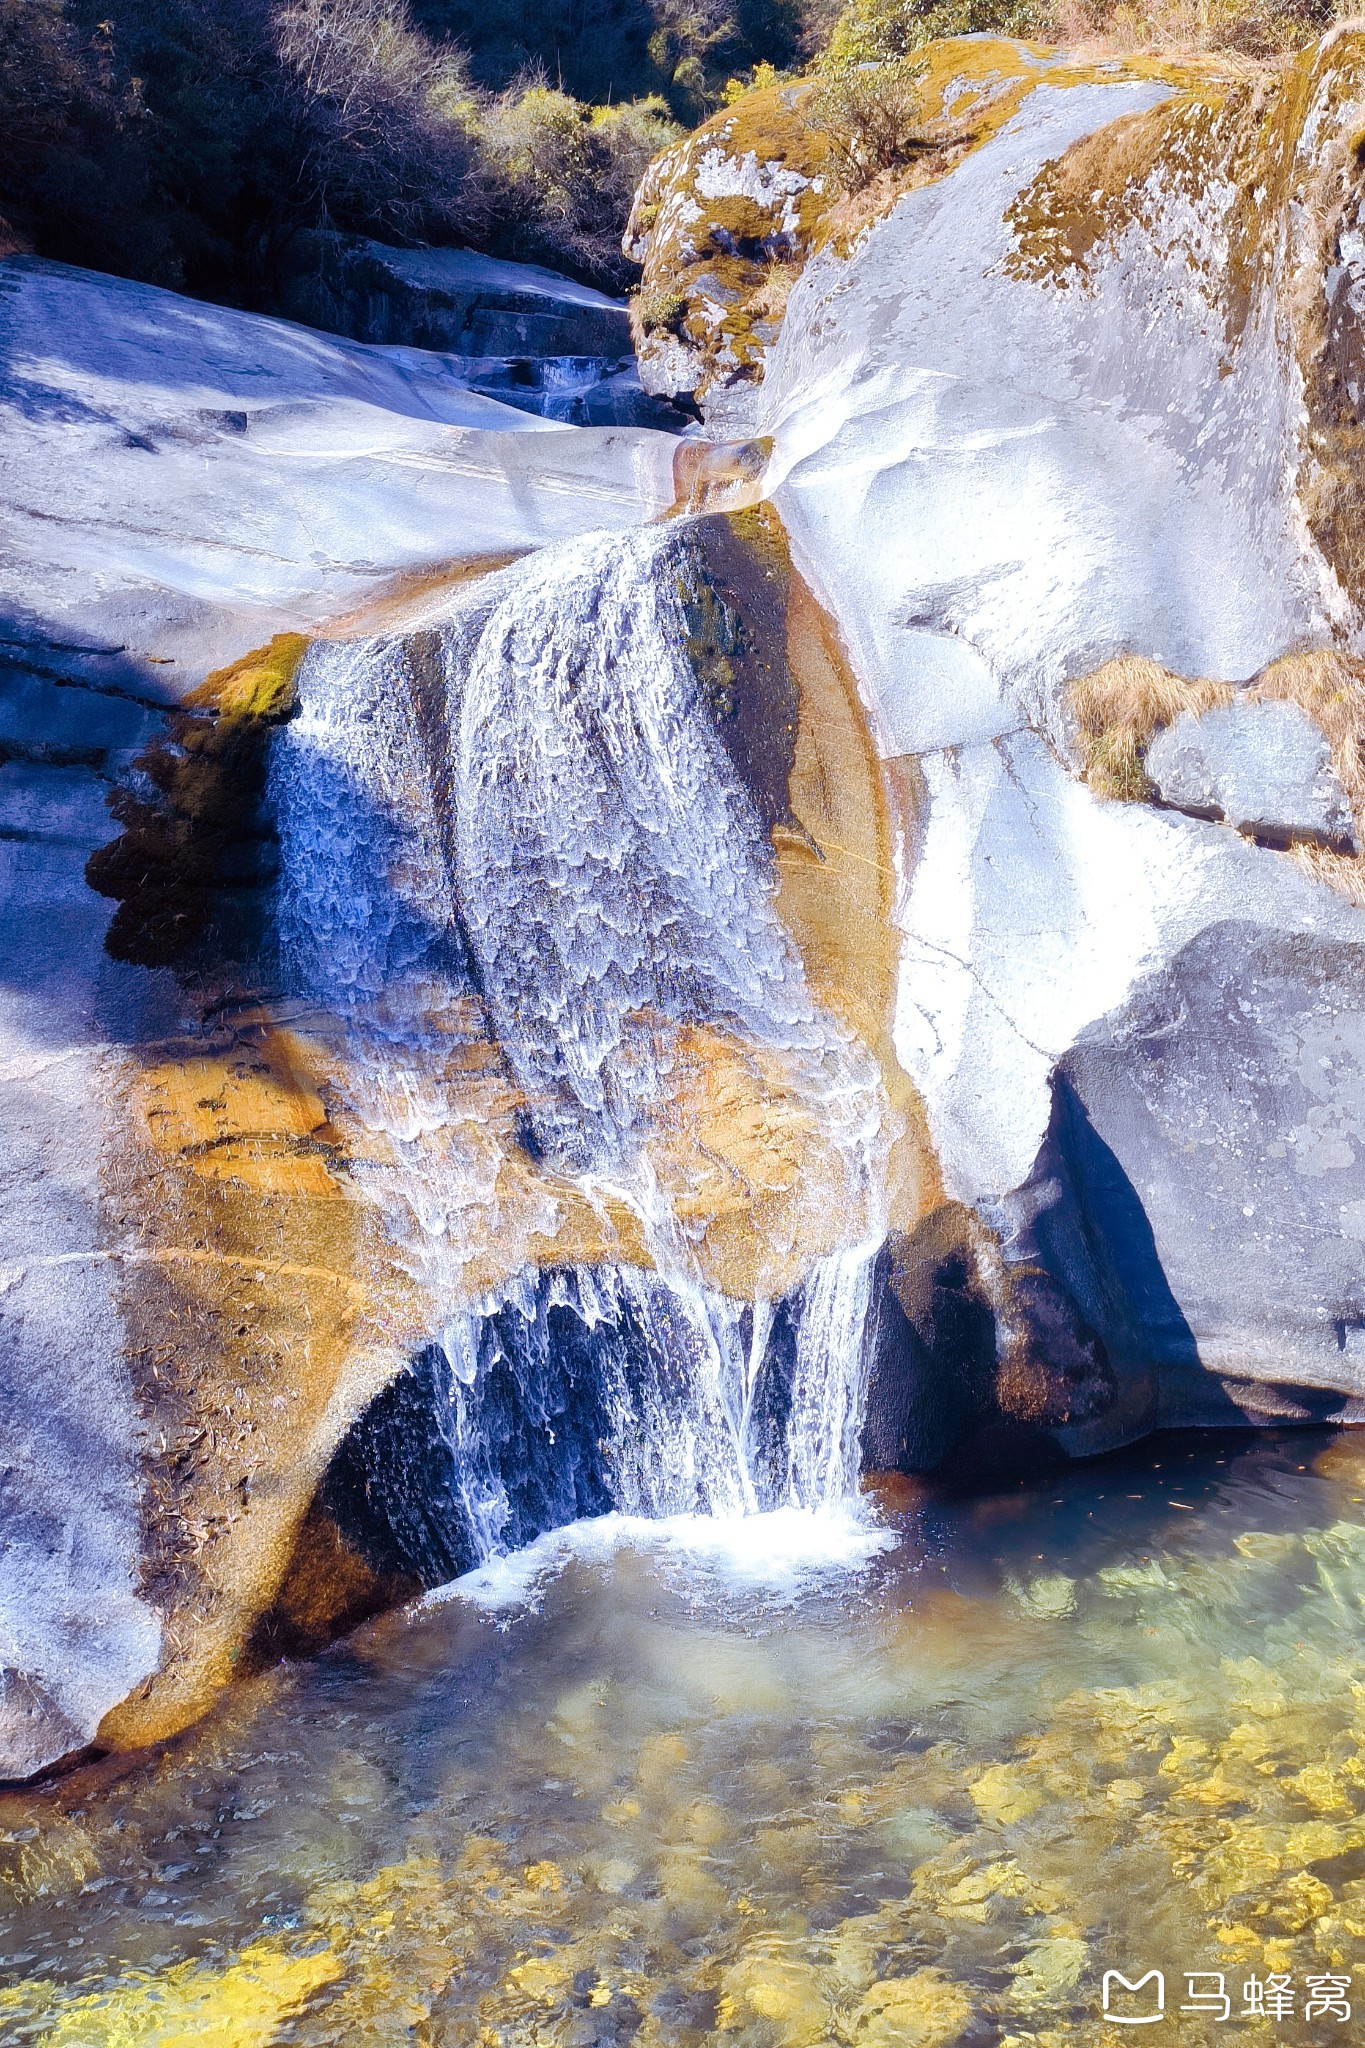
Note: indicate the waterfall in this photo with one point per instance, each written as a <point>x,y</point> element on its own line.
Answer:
<point>518,870</point>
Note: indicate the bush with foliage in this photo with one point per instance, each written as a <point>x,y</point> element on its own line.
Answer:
<point>884,31</point>
<point>191,143</point>
<point>382,125</point>
<point>605,51</point>
<point>198,143</point>
<point>872,119</point>
<point>564,175</point>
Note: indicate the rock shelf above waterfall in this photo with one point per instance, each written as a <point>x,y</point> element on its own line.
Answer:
<point>240,476</point>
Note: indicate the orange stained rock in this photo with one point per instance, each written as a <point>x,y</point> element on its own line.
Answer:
<point>259,684</point>
<point>838,878</point>
<point>748,1164</point>
<point>246,1302</point>
<point>408,600</point>
<point>718,476</point>
<point>242,1115</point>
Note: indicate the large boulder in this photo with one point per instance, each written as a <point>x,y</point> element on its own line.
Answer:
<point>1264,767</point>
<point>1201,1188</point>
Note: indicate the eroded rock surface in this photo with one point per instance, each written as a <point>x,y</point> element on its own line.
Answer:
<point>1087,280</point>
<point>243,477</point>
<point>461,303</point>
<point>180,1281</point>
<point>77,1632</point>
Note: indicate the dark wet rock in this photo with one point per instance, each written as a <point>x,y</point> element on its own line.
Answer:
<point>454,300</point>
<point>526,336</point>
<point>1264,767</point>
<point>733,585</point>
<point>528,1427</point>
<point>975,1362</point>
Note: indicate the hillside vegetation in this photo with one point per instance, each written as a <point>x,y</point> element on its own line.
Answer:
<point>195,143</point>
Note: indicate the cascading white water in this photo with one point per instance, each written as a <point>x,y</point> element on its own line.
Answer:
<point>522,831</point>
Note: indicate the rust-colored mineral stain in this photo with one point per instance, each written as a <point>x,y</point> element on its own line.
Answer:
<point>243,1301</point>
<point>406,601</point>
<point>838,878</point>
<point>240,1115</point>
<point>718,476</point>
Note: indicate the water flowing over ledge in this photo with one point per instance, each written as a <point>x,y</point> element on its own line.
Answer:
<point>519,844</point>
<point>731,976</point>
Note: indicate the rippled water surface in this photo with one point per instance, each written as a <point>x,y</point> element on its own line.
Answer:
<point>1114,1721</point>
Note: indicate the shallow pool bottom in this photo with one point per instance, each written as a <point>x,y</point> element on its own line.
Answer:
<point>637,1794</point>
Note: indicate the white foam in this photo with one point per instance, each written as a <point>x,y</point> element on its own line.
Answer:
<point>783,1553</point>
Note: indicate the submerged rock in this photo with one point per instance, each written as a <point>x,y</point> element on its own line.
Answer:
<point>1264,767</point>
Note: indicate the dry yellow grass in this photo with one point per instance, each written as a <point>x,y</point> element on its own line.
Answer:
<point>769,300</point>
<point>1344,872</point>
<point>1240,27</point>
<point>1120,707</point>
<point>1330,687</point>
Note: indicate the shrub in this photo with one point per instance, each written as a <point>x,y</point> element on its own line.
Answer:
<point>660,310</point>
<point>605,51</point>
<point>882,31</point>
<point>381,118</point>
<point>697,45</point>
<point>565,174</point>
<point>872,119</point>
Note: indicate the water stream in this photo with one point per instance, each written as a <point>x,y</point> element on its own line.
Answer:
<point>522,872</point>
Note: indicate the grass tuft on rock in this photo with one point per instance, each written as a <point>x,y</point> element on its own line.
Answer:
<point>1120,707</point>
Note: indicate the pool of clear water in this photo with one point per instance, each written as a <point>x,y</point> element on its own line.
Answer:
<point>1113,1720</point>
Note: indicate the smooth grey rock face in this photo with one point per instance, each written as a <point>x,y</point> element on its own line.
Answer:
<point>1265,768</point>
<point>179,481</point>
<point>76,1633</point>
<point>1200,1193</point>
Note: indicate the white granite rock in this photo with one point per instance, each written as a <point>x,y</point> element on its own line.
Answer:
<point>178,481</point>
<point>1264,767</point>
